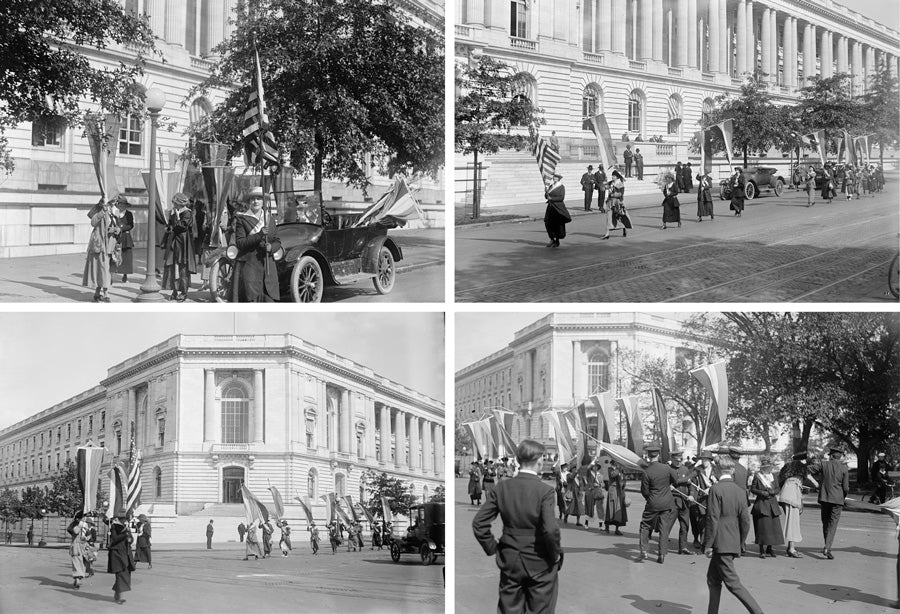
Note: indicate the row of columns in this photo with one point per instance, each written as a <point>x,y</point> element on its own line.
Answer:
<point>431,435</point>
<point>171,21</point>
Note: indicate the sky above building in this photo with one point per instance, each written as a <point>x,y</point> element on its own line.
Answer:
<point>886,12</point>
<point>481,334</point>
<point>46,358</point>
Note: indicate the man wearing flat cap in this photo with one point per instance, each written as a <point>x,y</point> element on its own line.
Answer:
<point>656,488</point>
<point>179,249</point>
<point>834,485</point>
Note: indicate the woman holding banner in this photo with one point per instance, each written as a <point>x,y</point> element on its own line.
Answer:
<point>616,514</point>
<point>79,549</point>
<point>100,246</point>
<point>556,216</point>
<point>704,197</point>
<point>255,275</point>
<point>671,206</point>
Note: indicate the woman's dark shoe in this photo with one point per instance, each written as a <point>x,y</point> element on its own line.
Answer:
<point>624,232</point>
<point>618,532</point>
<point>124,279</point>
<point>604,237</point>
<point>679,224</point>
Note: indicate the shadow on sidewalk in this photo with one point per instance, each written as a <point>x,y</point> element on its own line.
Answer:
<point>655,606</point>
<point>66,587</point>
<point>840,594</point>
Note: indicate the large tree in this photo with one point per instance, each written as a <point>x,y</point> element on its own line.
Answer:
<point>828,104</point>
<point>342,79</point>
<point>397,491</point>
<point>10,506</point>
<point>44,72</point>
<point>881,105</point>
<point>65,496</point>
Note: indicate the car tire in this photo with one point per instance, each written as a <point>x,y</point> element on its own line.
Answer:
<point>221,276</point>
<point>779,187</point>
<point>385,271</point>
<point>427,555</point>
<point>307,282</point>
<point>395,552</point>
<point>750,191</point>
<point>722,193</point>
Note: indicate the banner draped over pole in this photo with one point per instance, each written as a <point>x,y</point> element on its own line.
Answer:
<point>103,139</point>
<point>88,460</point>
<point>715,380</point>
<point>606,415</point>
<point>662,420</point>
<point>547,159</point>
<point>634,428</point>
<point>598,125</point>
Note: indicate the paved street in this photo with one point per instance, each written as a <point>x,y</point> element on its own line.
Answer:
<point>196,580</point>
<point>601,574</point>
<point>58,278</point>
<point>777,251</point>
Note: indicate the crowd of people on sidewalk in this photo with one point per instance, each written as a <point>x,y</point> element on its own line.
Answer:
<point>713,496</point>
<point>336,530</point>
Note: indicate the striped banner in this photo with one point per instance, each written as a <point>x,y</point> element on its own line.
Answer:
<point>560,432</point>
<point>605,404</point>
<point>715,380</point>
<point>547,159</point>
<point>501,423</point>
<point>386,510</point>
<point>277,502</point>
<point>579,416</point>
<point>850,149</point>
<point>306,510</point>
<point>254,510</point>
<point>817,141</point>
<point>88,460</point>
<point>329,509</point>
<point>861,144</point>
<point>256,128</point>
<point>369,517</point>
<point>349,501</point>
<point>726,128</point>
<point>336,504</point>
<point>662,421</point>
<point>635,429</point>
<point>118,492</point>
<point>134,484</point>
<point>397,204</point>
<point>103,137</point>
<point>598,125</point>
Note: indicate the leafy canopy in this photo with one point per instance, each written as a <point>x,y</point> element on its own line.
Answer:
<point>44,73</point>
<point>341,79</point>
<point>398,492</point>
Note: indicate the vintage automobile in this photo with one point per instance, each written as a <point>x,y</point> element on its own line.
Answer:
<point>319,250</point>
<point>425,535</point>
<point>757,179</point>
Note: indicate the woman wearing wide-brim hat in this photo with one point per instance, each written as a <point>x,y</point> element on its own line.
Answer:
<point>766,512</point>
<point>790,498</point>
<point>556,215</point>
<point>179,249</point>
<point>671,206</point>
<point>615,205</point>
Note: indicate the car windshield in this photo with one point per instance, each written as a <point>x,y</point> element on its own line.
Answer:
<point>302,210</point>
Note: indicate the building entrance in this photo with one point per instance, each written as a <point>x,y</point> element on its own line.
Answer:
<point>232,478</point>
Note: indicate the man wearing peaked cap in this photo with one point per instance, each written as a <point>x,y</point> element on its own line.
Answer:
<point>834,485</point>
<point>656,488</point>
<point>682,501</point>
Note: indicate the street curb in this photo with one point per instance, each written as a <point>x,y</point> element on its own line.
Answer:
<point>419,265</point>
<point>531,218</point>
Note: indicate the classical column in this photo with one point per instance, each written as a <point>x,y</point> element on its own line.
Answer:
<point>605,21</point>
<point>658,30</point>
<point>810,67</point>
<point>795,50</point>
<point>157,11</point>
<point>344,419</point>
<point>681,34</point>
<point>229,16</point>
<point>619,25</point>
<point>210,432</point>
<point>692,34</point>
<point>414,442</point>
<point>856,57</point>
<point>841,53</point>
<point>258,396</point>
<point>633,51</point>
<point>439,449</point>
<point>741,31</point>
<point>351,426</point>
<point>670,31</point>
<point>323,418</point>
<point>176,19</point>
<point>384,437</point>
<point>400,439</point>
<point>715,36</point>
<point>773,41</point>
<point>427,447</point>
<point>751,40</point>
<point>766,46</point>
<point>724,39</point>
<point>370,429</point>
<point>646,53</point>
<point>213,14</point>
<point>870,65</point>
<point>827,59</point>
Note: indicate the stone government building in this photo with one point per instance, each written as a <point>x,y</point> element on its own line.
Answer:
<point>653,67</point>
<point>211,412</point>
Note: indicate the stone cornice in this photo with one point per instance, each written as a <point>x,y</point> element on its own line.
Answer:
<point>65,407</point>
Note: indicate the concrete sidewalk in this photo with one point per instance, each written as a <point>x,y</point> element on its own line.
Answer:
<point>58,278</point>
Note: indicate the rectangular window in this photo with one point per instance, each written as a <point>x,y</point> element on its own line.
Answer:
<point>79,428</point>
<point>131,136</point>
<point>57,460</point>
<point>162,431</point>
<point>68,431</point>
<point>48,132</point>
<point>235,421</point>
<point>517,19</point>
<point>90,424</point>
<point>102,420</point>
<point>58,434</point>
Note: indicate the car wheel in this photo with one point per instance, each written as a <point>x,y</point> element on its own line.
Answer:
<point>307,283</point>
<point>427,555</point>
<point>722,195</point>
<point>750,191</point>
<point>221,276</point>
<point>385,271</point>
<point>395,552</point>
<point>779,187</point>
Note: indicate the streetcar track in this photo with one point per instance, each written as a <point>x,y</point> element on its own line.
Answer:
<point>849,277</point>
<point>634,261</point>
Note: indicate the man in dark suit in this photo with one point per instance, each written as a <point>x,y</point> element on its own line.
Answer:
<point>727,526</point>
<point>600,186</point>
<point>682,501</point>
<point>529,553</point>
<point>741,477</point>
<point>656,487</point>
<point>587,186</point>
<point>834,484</point>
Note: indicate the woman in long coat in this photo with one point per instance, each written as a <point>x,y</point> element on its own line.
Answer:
<point>79,549</point>
<point>810,186</point>
<point>616,513</point>
<point>120,561</point>
<point>737,190</point>
<point>766,511</point>
<point>678,176</point>
<point>179,249</point>
<point>615,209</point>
<point>255,275</point>
<point>96,266</point>
<point>790,498</point>
<point>670,204</point>
<point>687,181</point>
<point>126,242</point>
<point>849,186</point>
<point>556,215</point>
<point>828,191</point>
<point>574,498</point>
<point>251,545</point>
<point>704,197</point>
<point>475,483</point>
<point>142,553</point>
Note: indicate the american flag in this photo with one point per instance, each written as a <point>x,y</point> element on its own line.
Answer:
<point>133,489</point>
<point>256,123</point>
<point>547,159</point>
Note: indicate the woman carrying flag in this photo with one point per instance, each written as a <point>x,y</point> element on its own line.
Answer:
<point>556,216</point>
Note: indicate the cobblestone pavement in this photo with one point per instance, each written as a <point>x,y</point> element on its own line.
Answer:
<point>779,250</point>
<point>601,572</point>
<point>197,580</point>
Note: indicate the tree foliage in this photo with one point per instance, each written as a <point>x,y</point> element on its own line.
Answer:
<point>43,72</point>
<point>342,78</point>
<point>10,506</point>
<point>828,104</point>
<point>398,493</point>
<point>881,108</point>
<point>439,495</point>
<point>34,500</point>
<point>65,496</point>
<point>486,109</point>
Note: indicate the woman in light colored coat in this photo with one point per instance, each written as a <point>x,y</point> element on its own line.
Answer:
<point>96,266</point>
<point>79,549</point>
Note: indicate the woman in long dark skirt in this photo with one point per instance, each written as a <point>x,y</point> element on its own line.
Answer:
<point>704,197</point>
<point>556,216</point>
<point>120,561</point>
<point>737,190</point>
<point>670,204</point>
<point>828,191</point>
<point>142,553</point>
<point>474,488</point>
<point>766,511</point>
<point>126,242</point>
<point>616,514</point>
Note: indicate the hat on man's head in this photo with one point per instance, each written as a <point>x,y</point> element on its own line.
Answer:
<point>835,450</point>
<point>180,200</point>
<point>734,452</point>
<point>706,454</point>
<point>590,167</point>
<point>617,173</point>
<point>677,453</point>
<point>800,455</point>
<point>652,450</point>
<point>557,176</point>
<point>765,461</point>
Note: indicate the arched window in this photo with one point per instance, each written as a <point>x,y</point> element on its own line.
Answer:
<point>200,108</point>
<point>425,493</point>
<point>635,111</point>
<point>591,101</point>
<point>674,115</point>
<point>524,91</point>
<point>157,481</point>
<point>312,484</point>
<point>362,494</point>
<point>708,106</point>
<point>598,371</point>
<point>235,415</point>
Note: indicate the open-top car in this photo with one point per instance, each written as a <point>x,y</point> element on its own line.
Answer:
<point>322,249</point>
<point>425,535</point>
<point>757,179</point>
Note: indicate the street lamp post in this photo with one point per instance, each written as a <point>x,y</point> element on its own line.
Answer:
<point>155,101</point>
<point>43,542</point>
